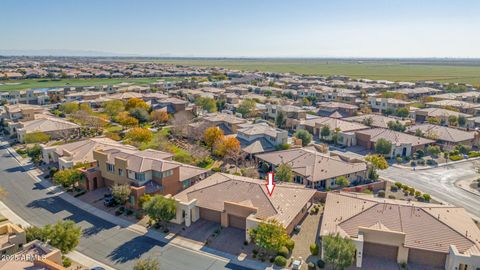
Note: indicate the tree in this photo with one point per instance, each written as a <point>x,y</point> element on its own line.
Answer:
<point>396,125</point>
<point>69,107</point>
<point>139,135</point>
<point>121,193</point>
<point>270,236</point>
<point>389,111</point>
<point>284,173</point>
<point>280,120</point>
<point>140,114</point>
<point>221,102</point>
<point>35,153</point>
<point>64,235</point>
<point>462,120</point>
<point>303,135</point>
<point>228,147</point>
<point>419,132</point>
<point>36,137</point>
<point>433,150</point>
<point>368,121</point>
<point>247,108</point>
<point>160,209</point>
<point>126,120</point>
<point>372,173</point>
<point>136,103</point>
<point>325,131</point>
<point>206,103</point>
<point>338,252</point>
<point>211,136</point>
<point>402,112</point>
<point>452,120</point>
<point>113,107</point>
<point>383,147</point>
<point>159,117</point>
<point>377,161</point>
<point>67,178</point>
<point>147,264</point>
<point>433,120</point>
<point>342,181</point>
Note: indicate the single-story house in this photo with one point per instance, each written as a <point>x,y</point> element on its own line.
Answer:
<point>431,236</point>
<point>242,202</point>
<point>402,144</point>
<point>447,137</point>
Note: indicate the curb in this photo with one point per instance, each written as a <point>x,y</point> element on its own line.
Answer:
<point>155,235</point>
<point>433,167</point>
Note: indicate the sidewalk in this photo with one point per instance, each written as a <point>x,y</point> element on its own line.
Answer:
<point>400,166</point>
<point>177,241</point>
<point>74,255</point>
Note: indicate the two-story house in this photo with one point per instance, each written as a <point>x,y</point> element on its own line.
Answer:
<point>146,172</point>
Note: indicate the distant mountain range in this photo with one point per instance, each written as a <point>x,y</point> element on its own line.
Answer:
<point>68,53</point>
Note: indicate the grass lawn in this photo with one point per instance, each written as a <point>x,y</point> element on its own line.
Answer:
<point>113,128</point>
<point>404,70</point>
<point>47,83</point>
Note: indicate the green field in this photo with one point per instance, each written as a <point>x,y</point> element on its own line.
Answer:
<point>464,71</point>
<point>404,70</point>
<point>46,83</point>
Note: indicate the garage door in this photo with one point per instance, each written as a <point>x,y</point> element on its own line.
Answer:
<point>236,222</point>
<point>418,256</point>
<point>210,215</point>
<point>378,250</point>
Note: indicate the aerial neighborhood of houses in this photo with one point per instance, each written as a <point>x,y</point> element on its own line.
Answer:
<point>188,152</point>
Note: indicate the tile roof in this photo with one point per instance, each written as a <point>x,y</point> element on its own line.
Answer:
<point>285,203</point>
<point>377,120</point>
<point>426,226</point>
<point>446,134</point>
<point>46,124</point>
<point>395,137</point>
<point>314,165</point>
<point>334,123</point>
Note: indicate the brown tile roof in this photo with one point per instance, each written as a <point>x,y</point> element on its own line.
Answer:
<point>426,226</point>
<point>312,164</point>
<point>395,137</point>
<point>285,203</point>
<point>377,120</point>
<point>446,134</point>
<point>334,123</point>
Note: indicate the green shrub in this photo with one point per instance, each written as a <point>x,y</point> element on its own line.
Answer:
<point>472,154</point>
<point>280,261</point>
<point>398,184</point>
<point>413,163</point>
<point>321,264</point>
<point>283,252</point>
<point>290,244</point>
<point>381,193</point>
<point>399,160</point>
<point>456,157</point>
<point>216,169</point>
<point>426,197</point>
<point>66,262</point>
<point>314,249</point>
<point>392,197</point>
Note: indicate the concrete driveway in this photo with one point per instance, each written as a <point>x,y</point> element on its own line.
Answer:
<point>440,183</point>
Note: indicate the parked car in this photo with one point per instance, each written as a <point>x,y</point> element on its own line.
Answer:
<point>297,263</point>
<point>109,201</point>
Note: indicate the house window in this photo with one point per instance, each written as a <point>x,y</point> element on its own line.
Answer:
<point>120,172</point>
<point>168,173</point>
<point>186,183</point>
<point>110,167</point>
<point>139,176</point>
<point>157,174</point>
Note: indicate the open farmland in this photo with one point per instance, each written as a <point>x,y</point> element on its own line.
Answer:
<point>465,71</point>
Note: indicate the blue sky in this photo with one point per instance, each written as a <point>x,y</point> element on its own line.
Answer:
<point>256,28</point>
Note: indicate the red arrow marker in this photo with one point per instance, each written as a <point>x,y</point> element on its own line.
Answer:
<point>270,183</point>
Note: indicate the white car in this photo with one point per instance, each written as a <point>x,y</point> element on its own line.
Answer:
<point>297,263</point>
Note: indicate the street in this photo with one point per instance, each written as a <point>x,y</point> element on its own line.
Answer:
<point>440,183</point>
<point>101,240</point>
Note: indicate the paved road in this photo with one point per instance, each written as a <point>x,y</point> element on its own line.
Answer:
<point>101,240</point>
<point>439,182</point>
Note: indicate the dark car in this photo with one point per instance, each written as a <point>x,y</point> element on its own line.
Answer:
<point>109,201</point>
